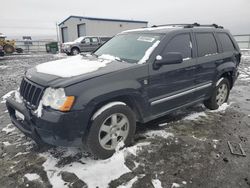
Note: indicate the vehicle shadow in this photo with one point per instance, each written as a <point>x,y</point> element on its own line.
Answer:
<point>165,121</point>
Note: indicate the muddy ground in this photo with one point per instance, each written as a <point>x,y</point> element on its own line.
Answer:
<point>185,149</point>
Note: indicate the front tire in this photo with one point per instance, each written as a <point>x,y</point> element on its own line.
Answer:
<point>75,51</point>
<point>114,125</point>
<point>219,96</point>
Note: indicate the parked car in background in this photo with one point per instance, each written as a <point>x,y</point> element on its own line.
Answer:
<point>139,75</point>
<point>1,51</point>
<point>83,44</point>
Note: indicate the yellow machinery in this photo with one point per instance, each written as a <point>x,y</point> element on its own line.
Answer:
<point>8,45</point>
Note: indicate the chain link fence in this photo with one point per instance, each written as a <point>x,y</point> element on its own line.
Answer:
<point>33,45</point>
<point>243,41</point>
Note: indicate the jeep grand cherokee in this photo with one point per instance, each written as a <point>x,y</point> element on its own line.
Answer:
<point>139,75</point>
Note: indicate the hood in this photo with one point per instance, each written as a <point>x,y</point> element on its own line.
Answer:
<point>68,43</point>
<point>62,73</point>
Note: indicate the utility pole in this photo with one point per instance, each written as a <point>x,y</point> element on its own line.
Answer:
<point>58,39</point>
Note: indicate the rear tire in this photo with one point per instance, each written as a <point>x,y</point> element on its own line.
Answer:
<point>113,125</point>
<point>219,96</point>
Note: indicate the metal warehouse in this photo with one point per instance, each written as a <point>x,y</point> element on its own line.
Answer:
<point>77,26</point>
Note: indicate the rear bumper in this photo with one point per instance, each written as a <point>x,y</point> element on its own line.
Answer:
<point>54,127</point>
<point>235,76</point>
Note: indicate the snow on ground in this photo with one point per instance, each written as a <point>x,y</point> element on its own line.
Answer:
<point>129,184</point>
<point>95,173</point>
<point>156,183</point>
<point>222,108</point>
<point>3,67</point>
<point>32,176</point>
<point>159,133</point>
<point>6,143</point>
<point>175,185</point>
<point>195,116</point>
<point>9,129</point>
<point>162,124</point>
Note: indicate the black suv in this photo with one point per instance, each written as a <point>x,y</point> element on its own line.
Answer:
<point>139,75</point>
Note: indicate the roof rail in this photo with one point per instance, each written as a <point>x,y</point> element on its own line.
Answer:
<point>190,25</point>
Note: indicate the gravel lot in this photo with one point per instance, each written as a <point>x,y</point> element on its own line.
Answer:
<point>185,149</point>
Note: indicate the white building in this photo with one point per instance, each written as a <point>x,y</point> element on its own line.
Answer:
<point>77,26</point>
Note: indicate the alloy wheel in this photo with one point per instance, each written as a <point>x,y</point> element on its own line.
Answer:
<point>113,130</point>
<point>222,93</point>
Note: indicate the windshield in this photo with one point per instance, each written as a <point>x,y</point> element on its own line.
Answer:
<point>131,47</point>
<point>79,39</point>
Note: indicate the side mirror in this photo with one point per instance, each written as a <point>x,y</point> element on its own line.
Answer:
<point>83,42</point>
<point>168,59</point>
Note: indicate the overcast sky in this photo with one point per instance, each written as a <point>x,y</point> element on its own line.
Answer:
<point>39,17</point>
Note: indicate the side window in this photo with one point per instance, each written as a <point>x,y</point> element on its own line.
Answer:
<point>94,40</point>
<point>180,43</point>
<point>87,40</point>
<point>226,42</point>
<point>206,44</point>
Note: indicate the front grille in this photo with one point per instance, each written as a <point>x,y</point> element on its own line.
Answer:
<point>31,93</point>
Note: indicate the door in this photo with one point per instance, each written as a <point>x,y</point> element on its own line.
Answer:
<point>65,37</point>
<point>81,30</point>
<point>95,43</point>
<point>207,58</point>
<point>171,85</point>
<point>85,45</point>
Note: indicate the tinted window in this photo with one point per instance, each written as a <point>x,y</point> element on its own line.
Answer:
<point>206,44</point>
<point>180,43</point>
<point>226,42</point>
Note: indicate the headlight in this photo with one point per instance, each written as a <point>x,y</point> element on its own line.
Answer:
<point>66,46</point>
<point>56,99</point>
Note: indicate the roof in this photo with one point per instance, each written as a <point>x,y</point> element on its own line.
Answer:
<point>161,29</point>
<point>103,19</point>
<point>170,27</point>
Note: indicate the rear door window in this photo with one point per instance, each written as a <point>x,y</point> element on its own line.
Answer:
<point>206,44</point>
<point>180,43</point>
<point>226,42</point>
<point>94,40</point>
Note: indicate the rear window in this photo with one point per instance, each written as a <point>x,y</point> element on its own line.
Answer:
<point>206,44</point>
<point>226,42</point>
<point>180,43</point>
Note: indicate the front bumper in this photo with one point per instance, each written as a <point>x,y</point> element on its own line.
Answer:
<point>54,127</point>
<point>66,50</point>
